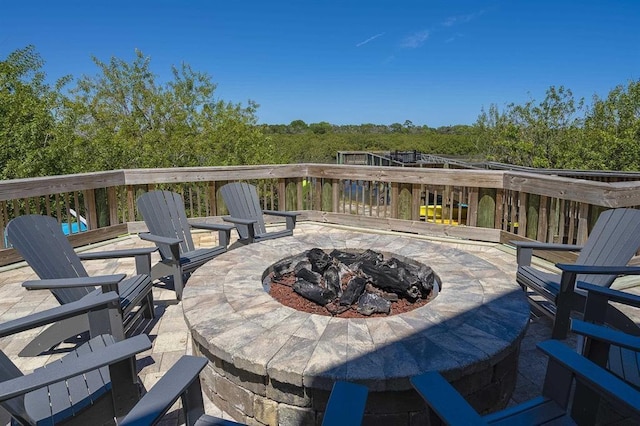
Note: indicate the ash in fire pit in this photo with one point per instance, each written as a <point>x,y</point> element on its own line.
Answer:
<point>365,282</point>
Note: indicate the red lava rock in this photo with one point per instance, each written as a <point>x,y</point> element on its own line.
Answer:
<point>281,291</point>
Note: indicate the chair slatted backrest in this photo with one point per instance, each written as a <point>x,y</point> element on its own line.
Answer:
<point>41,242</point>
<point>8,371</point>
<point>242,202</point>
<point>613,241</point>
<point>164,215</point>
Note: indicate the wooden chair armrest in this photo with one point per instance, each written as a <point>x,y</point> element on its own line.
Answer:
<point>599,270</point>
<point>289,216</point>
<point>142,257</point>
<point>606,334</point>
<point>570,273</point>
<point>111,354</point>
<point>597,378</point>
<point>159,399</point>
<point>447,403</point>
<point>116,254</point>
<point>346,404</point>
<point>212,226</point>
<point>611,294</point>
<point>281,213</point>
<point>238,220</point>
<point>68,310</point>
<point>224,231</point>
<point>159,239</point>
<point>108,282</point>
<point>524,249</point>
<point>536,245</point>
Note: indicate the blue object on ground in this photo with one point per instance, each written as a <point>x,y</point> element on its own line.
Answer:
<point>74,228</point>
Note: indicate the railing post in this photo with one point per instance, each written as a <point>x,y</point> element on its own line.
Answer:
<point>317,194</point>
<point>501,220</point>
<point>335,195</point>
<point>90,207</point>
<point>543,219</point>
<point>112,201</point>
<point>416,192</point>
<point>552,233</point>
<point>583,224</point>
<point>395,193</point>
<point>299,194</point>
<point>472,208</point>
<point>3,221</point>
<point>522,213</point>
<point>533,206</point>
<point>282,190</point>
<point>130,203</point>
<point>212,194</point>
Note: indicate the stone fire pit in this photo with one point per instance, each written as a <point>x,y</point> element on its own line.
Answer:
<point>271,364</point>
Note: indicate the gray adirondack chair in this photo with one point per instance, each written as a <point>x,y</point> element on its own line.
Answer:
<point>245,212</point>
<point>169,229</point>
<point>181,381</point>
<point>565,368</point>
<point>90,385</point>
<point>40,241</point>
<point>345,407</point>
<point>614,240</point>
<point>615,346</point>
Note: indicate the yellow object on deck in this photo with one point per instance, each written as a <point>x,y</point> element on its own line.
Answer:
<point>433,213</point>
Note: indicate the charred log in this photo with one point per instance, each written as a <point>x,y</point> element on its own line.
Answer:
<point>332,280</point>
<point>286,266</point>
<point>341,280</point>
<point>371,303</point>
<point>313,292</point>
<point>319,259</point>
<point>309,275</point>
<point>354,289</point>
<point>390,279</point>
<point>352,258</point>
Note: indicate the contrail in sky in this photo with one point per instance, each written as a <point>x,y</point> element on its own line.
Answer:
<point>369,39</point>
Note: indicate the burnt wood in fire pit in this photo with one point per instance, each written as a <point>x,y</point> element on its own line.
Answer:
<point>364,280</point>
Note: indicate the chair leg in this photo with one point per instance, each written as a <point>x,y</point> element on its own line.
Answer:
<point>178,283</point>
<point>148,308</point>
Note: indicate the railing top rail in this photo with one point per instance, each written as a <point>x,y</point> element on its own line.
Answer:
<point>607,194</point>
<point>31,187</point>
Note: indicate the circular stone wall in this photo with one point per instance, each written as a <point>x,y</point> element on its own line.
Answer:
<point>270,364</point>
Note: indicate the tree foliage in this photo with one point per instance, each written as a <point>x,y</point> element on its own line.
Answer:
<point>122,117</point>
<point>532,134</point>
<point>125,119</point>
<point>28,108</point>
<point>560,132</point>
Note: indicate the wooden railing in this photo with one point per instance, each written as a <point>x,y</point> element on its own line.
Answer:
<point>473,204</point>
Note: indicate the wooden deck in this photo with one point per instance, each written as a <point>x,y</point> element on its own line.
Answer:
<point>170,335</point>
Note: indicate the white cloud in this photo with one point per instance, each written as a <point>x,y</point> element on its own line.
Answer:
<point>362,43</point>
<point>415,40</point>
<point>461,19</point>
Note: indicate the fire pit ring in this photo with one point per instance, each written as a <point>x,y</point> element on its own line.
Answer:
<point>351,284</point>
<point>271,364</point>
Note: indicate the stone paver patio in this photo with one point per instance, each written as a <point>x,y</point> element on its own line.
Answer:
<point>171,338</point>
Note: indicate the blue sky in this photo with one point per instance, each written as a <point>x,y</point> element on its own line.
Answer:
<point>434,62</point>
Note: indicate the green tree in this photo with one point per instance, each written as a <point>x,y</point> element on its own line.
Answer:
<point>28,125</point>
<point>321,127</point>
<point>298,126</point>
<point>612,130</point>
<point>533,134</point>
<point>124,119</point>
